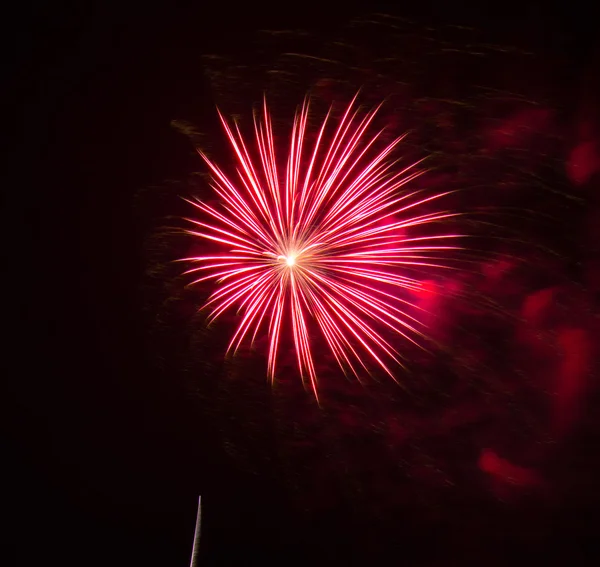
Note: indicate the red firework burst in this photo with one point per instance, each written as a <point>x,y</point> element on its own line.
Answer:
<point>325,238</point>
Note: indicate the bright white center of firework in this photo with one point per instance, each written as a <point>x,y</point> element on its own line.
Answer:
<point>290,259</point>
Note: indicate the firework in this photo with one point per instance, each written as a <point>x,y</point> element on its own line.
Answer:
<point>321,238</point>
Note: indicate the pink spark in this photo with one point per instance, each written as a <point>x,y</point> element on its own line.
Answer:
<point>324,239</point>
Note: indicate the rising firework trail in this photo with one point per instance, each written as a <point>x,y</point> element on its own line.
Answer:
<point>194,560</point>
<point>321,237</point>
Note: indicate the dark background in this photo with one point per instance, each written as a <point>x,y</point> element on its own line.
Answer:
<point>107,455</point>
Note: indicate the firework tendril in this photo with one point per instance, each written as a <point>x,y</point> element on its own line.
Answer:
<point>322,242</point>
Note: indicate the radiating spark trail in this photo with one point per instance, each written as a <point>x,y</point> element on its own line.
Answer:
<point>320,241</point>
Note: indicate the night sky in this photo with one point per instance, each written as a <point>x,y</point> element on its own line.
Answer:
<point>120,409</point>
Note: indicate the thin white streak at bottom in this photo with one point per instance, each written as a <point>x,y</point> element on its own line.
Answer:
<point>197,534</point>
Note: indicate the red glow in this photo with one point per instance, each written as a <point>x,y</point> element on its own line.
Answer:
<point>325,238</point>
<point>583,162</point>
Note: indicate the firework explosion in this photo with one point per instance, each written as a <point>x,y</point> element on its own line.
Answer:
<point>326,241</point>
